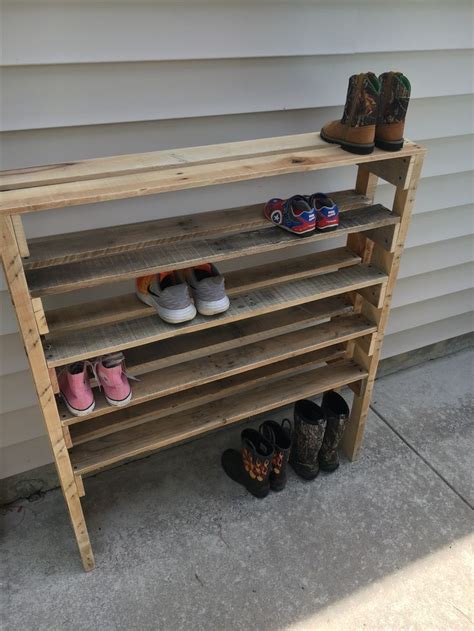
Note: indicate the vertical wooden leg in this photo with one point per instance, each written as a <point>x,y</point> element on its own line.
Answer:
<point>390,263</point>
<point>28,326</point>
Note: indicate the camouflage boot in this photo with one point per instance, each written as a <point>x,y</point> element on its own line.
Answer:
<point>252,465</point>
<point>394,98</point>
<point>355,132</point>
<point>308,435</point>
<point>280,437</point>
<point>336,412</point>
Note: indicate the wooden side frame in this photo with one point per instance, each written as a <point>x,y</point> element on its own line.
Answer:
<point>28,326</point>
<point>389,261</point>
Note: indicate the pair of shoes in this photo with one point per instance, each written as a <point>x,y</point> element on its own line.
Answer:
<point>374,114</point>
<point>262,462</point>
<point>302,214</point>
<point>177,294</point>
<point>109,371</point>
<point>317,434</point>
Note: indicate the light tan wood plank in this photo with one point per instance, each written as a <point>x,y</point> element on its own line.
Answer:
<point>40,316</point>
<point>89,273</point>
<point>20,235</point>
<point>66,348</point>
<point>223,338</point>
<point>186,176</point>
<point>166,431</point>
<point>396,171</point>
<point>82,432</point>
<point>189,374</point>
<point>128,307</point>
<point>78,246</point>
<point>402,206</point>
<point>14,274</point>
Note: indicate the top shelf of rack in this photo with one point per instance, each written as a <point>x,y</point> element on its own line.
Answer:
<point>119,177</point>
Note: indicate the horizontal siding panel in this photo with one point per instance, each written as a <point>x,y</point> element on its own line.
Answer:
<point>180,30</point>
<point>433,284</point>
<point>428,334</point>
<point>17,391</point>
<point>12,356</point>
<point>436,256</point>
<point>24,456</point>
<point>428,311</point>
<point>21,425</point>
<point>440,225</point>
<point>83,94</point>
<point>427,119</point>
<point>449,155</point>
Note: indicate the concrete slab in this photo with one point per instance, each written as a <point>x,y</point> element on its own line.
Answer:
<point>380,544</point>
<point>431,406</point>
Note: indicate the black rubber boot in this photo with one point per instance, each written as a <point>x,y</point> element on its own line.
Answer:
<point>252,465</point>
<point>336,412</point>
<point>280,437</point>
<point>308,433</point>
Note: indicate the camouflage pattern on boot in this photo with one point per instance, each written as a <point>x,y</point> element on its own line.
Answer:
<point>279,435</point>
<point>308,433</point>
<point>336,412</point>
<point>393,104</point>
<point>355,132</point>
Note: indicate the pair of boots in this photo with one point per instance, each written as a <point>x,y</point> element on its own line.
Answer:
<point>312,445</point>
<point>261,464</point>
<point>317,433</point>
<point>374,114</point>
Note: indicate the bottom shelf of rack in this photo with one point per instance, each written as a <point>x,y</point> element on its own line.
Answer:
<point>174,428</point>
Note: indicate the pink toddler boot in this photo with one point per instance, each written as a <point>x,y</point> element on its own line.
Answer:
<point>76,390</point>
<point>111,376</point>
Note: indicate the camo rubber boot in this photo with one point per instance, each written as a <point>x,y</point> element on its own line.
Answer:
<point>395,92</point>
<point>336,413</point>
<point>251,466</point>
<point>308,434</point>
<point>279,435</point>
<point>355,132</point>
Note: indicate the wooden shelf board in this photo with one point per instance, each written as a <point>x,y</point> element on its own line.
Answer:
<point>169,430</point>
<point>78,246</point>
<point>82,432</point>
<point>128,307</point>
<point>175,350</point>
<point>109,269</point>
<point>74,346</point>
<point>196,372</point>
<point>55,186</point>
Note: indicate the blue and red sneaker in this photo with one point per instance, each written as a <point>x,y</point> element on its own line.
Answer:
<point>293,214</point>
<point>325,210</point>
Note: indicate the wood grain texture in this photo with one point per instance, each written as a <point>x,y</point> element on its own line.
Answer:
<point>14,274</point>
<point>107,269</point>
<point>189,374</point>
<point>70,347</point>
<point>166,431</point>
<point>130,417</point>
<point>128,182</point>
<point>128,307</point>
<point>223,338</point>
<point>78,246</point>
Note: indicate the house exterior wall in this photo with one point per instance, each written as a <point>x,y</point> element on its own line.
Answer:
<point>95,78</point>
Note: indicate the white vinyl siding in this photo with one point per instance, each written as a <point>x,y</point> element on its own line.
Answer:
<point>87,79</point>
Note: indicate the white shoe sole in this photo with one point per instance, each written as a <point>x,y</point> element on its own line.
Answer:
<point>172,316</point>
<point>119,404</point>
<point>76,412</point>
<point>213,307</point>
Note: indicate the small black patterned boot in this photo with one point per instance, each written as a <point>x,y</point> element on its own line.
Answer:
<point>308,433</point>
<point>280,437</point>
<point>336,412</point>
<point>252,465</point>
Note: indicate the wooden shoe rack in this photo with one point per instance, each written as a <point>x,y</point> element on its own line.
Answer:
<point>304,326</point>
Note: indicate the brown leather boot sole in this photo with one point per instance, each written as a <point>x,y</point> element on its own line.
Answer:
<point>389,145</point>
<point>349,146</point>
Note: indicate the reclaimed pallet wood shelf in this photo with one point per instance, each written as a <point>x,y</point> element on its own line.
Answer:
<point>309,325</point>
